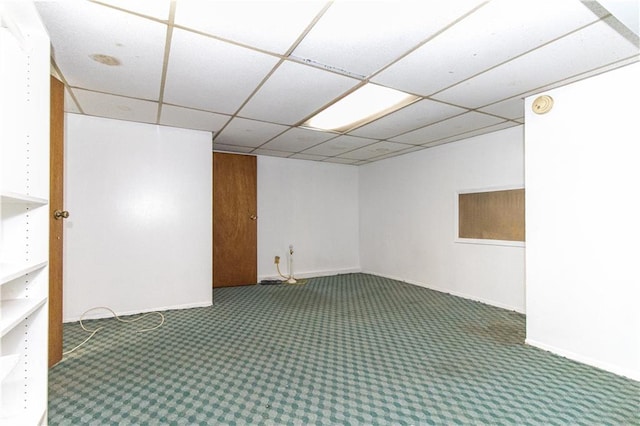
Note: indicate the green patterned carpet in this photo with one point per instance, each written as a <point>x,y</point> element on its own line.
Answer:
<point>350,349</point>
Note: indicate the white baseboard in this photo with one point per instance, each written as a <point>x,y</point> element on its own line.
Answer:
<point>103,313</point>
<point>453,293</point>
<point>634,375</point>
<point>313,274</point>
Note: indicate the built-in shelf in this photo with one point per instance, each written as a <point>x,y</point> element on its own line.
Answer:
<point>17,198</point>
<point>24,213</point>
<point>11,271</point>
<point>15,311</point>
<point>7,364</point>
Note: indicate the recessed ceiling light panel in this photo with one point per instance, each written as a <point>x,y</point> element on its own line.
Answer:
<point>364,105</point>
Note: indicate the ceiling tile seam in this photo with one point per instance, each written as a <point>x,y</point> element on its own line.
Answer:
<point>308,28</point>
<point>165,59</point>
<point>274,137</point>
<point>513,58</point>
<point>228,41</point>
<point>428,39</point>
<point>337,135</point>
<point>113,94</point>
<point>461,135</point>
<point>131,12</point>
<point>198,109</point>
<point>66,85</point>
<point>466,110</point>
<point>549,86</point>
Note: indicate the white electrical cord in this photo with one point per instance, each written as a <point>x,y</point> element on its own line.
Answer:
<point>93,332</point>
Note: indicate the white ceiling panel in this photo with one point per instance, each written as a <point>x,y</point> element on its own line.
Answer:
<point>482,131</point>
<point>511,108</point>
<point>338,160</point>
<point>191,118</point>
<point>409,118</point>
<point>297,139</point>
<point>69,103</point>
<point>482,40</point>
<point>158,9</point>
<point>401,152</point>
<point>374,150</point>
<point>308,157</point>
<point>269,25</point>
<point>241,131</point>
<point>137,43</point>
<point>295,91</point>
<point>592,47</point>
<point>339,145</point>
<point>451,127</point>
<point>118,107</point>
<point>231,148</point>
<point>208,74</point>
<point>271,153</point>
<point>350,31</point>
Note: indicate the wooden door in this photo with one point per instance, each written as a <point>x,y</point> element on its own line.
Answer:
<point>55,225</point>
<point>235,254</point>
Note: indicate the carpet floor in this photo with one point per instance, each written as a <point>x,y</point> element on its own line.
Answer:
<point>349,349</point>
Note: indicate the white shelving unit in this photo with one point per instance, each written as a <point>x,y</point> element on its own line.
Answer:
<point>24,214</point>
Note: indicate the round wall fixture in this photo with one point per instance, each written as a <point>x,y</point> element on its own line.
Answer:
<point>542,104</point>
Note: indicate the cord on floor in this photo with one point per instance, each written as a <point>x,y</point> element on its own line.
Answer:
<point>93,332</point>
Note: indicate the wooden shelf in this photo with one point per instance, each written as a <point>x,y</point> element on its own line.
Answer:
<point>15,311</point>
<point>11,271</point>
<point>17,198</point>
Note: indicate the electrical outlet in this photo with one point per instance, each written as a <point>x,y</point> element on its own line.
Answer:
<point>276,260</point>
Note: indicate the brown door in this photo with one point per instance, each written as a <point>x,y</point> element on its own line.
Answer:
<point>235,254</point>
<point>55,225</point>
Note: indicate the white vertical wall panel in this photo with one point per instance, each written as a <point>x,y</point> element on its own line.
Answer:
<point>408,218</point>
<point>138,237</point>
<point>582,222</point>
<point>313,206</point>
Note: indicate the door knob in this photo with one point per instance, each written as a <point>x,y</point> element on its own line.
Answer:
<point>253,217</point>
<point>60,214</point>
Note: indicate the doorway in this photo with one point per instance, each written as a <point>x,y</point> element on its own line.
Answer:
<point>235,254</point>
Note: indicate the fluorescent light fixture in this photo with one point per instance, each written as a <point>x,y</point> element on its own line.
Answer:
<point>360,107</point>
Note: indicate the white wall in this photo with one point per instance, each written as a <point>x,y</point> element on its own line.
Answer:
<point>139,233</point>
<point>408,218</point>
<point>313,206</point>
<point>582,174</point>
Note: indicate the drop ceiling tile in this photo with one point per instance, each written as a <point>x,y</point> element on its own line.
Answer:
<point>158,9</point>
<point>269,25</point>
<point>271,153</point>
<point>338,160</point>
<point>389,29</point>
<point>399,153</point>
<point>416,115</point>
<point>79,29</point>
<point>374,150</point>
<point>297,139</point>
<point>582,76</point>
<point>69,103</point>
<point>478,132</point>
<point>308,157</point>
<point>511,108</point>
<point>118,107</point>
<point>451,127</point>
<point>295,91</point>
<point>231,148</point>
<point>171,115</point>
<point>208,74</point>
<point>339,145</point>
<point>497,32</point>
<point>241,131</point>
<point>592,47</point>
